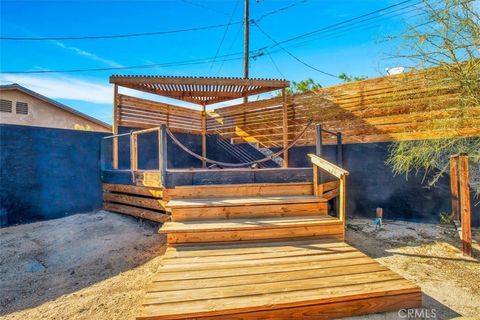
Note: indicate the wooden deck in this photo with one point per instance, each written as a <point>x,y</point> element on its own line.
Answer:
<point>266,250</point>
<point>310,279</point>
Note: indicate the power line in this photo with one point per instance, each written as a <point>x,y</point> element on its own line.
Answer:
<point>348,21</point>
<point>276,66</point>
<point>280,10</point>
<point>209,60</point>
<point>225,32</point>
<point>292,55</point>
<point>146,66</point>
<point>116,36</point>
<point>200,5</point>
<point>341,30</point>
<point>230,48</point>
<point>153,33</point>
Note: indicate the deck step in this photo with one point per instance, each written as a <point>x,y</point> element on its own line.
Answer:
<point>313,279</point>
<point>240,190</point>
<point>248,207</point>
<point>253,229</point>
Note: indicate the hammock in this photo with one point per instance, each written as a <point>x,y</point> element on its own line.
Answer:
<point>237,165</point>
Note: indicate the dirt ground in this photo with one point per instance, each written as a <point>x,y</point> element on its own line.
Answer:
<point>94,266</point>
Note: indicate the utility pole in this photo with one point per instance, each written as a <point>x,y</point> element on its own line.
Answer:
<point>246,45</point>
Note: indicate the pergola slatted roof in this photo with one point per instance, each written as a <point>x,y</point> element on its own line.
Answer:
<point>199,90</point>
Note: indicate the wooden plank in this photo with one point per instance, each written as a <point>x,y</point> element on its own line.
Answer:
<point>331,194</point>
<point>115,128</point>
<point>162,155</point>
<point>285,128</point>
<point>291,252</point>
<point>248,211</point>
<point>317,191</point>
<point>335,254</point>
<point>327,166</point>
<point>244,201</point>
<point>465,206</point>
<point>240,249</point>
<point>261,270</point>
<point>240,190</point>
<point>148,203</point>
<point>326,231</point>
<point>342,214</point>
<point>287,275</point>
<point>122,80</point>
<point>454,187</point>
<point>130,189</point>
<point>327,186</point>
<point>136,124</point>
<point>334,310</point>
<point>353,289</point>
<point>133,152</point>
<point>150,179</point>
<point>155,105</point>
<point>220,265</point>
<point>250,224</point>
<point>204,136</point>
<point>263,288</point>
<point>136,212</point>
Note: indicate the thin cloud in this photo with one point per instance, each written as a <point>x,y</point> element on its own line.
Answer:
<point>70,88</point>
<point>87,54</point>
<point>62,87</point>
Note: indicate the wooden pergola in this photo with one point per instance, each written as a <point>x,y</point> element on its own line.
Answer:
<point>203,91</point>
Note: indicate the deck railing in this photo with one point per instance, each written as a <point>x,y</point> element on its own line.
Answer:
<point>162,150</point>
<point>332,189</point>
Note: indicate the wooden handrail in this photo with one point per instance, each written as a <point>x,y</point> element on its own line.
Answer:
<point>341,174</point>
<point>162,150</point>
<point>327,166</point>
<point>146,130</point>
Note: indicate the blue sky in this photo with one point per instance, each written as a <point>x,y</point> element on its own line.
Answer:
<point>357,50</point>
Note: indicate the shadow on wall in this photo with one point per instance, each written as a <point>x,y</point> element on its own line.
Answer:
<point>177,158</point>
<point>48,173</point>
<point>372,184</point>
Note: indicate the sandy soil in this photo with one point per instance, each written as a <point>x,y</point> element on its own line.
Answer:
<point>428,255</point>
<point>94,266</point>
<point>85,266</point>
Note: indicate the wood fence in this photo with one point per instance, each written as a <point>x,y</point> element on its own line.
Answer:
<point>410,106</point>
<point>141,113</point>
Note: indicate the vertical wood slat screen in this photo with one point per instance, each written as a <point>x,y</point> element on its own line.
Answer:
<point>410,106</point>
<point>141,113</point>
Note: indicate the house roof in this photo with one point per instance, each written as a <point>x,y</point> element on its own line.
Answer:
<point>15,86</point>
<point>199,90</point>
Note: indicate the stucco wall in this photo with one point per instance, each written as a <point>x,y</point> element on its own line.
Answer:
<point>47,173</point>
<point>43,114</point>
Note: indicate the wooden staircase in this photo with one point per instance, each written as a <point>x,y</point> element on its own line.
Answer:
<point>269,212</point>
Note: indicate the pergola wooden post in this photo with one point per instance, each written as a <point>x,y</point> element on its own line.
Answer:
<point>454,187</point>
<point>285,127</point>
<point>465,205</point>
<point>115,128</point>
<point>460,186</point>
<point>204,135</point>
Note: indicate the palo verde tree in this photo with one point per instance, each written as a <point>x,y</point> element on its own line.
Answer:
<point>347,78</point>
<point>303,86</point>
<point>446,41</point>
